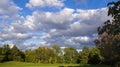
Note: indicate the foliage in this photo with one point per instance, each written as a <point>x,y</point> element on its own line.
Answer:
<point>17,55</point>
<point>109,35</point>
<point>84,55</point>
<point>30,56</point>
<point>11,54</point>
<point>95,56</point>
<point>50,55</point>
<point>70,55</point>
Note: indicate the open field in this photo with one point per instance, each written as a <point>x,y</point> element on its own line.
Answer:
<point>24,64</point>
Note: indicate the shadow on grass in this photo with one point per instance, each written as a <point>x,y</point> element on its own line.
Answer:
<point>77,66</point>
<point>87,66</point>
<point>69,66</point>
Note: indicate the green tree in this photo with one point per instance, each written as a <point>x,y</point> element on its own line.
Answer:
<point>79,57</point>
<point>52,55</point>
<point>17,55</point>
<point>57,52</point>
<point>109,35</point>
<point>30,56</point>
<point>95,56</point>
<point>84,55</point>
<point>45,55</point>
<point>1,55</point>
<point>6,52</point>
<point>70,55</point>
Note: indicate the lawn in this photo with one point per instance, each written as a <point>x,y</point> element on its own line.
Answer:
<point>24,64</point>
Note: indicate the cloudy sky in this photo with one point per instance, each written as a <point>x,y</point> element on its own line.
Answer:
<point>33,23</point>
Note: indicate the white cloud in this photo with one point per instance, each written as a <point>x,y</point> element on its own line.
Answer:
<point>14,36</point>
<point>45,36</point>
<point>11,28</point>
<point>45,3</point>
<point>77,32</point>
<point>8,9</point>
<point>92,13</point>
<point>83,38</point>
<point>59,20</point>
<point>67,27</point>
<point>32,45</point>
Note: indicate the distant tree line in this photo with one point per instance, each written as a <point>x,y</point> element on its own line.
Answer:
<point>52,55</point>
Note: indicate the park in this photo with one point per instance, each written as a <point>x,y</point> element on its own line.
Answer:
<point>54,33</point>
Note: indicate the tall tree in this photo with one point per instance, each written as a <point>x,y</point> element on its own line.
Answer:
<point>6,52</point>
<point>95,56</point>
<point>109,35</point>
<point>57,52</point>
<point>1,55</point>
<point>70,55</point>
<point>17,55</point>
<point>84,55</point>
<point>31,56</point>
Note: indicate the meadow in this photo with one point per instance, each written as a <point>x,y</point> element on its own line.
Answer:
<point>25,64</point>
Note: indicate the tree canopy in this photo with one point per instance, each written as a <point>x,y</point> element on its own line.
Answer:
<point>49,55</point>
<point>109,35</point>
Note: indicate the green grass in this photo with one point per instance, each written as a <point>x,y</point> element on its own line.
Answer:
<point>24,64</point>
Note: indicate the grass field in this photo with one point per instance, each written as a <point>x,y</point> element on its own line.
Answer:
<point>24,64</point>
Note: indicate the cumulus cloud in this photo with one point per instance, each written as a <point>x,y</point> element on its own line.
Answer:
<point>48,20</point>
<point>10,23</point>
<point>14,37</point>
<point>79,30</point>
<point>8,9</point>
<point>45,3</point>
<point>67,27</point>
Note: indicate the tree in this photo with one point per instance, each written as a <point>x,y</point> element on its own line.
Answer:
<point>6,52</point>
<point>45,55</point>
<point>109,35</point>
<point>57,52</point>
<point>70,55</point>
<point>1,55</point>
<point>30,56</point>
<point>84,55</point>
<point>17,55</point>
<point>95,56</point>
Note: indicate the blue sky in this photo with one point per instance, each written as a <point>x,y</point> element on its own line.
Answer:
<point>33,23</point>
<point>74,4</point>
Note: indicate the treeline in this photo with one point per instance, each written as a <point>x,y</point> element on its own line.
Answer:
<point>52,55</point>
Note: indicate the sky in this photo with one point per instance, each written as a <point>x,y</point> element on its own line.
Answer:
<point>30,24</point>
